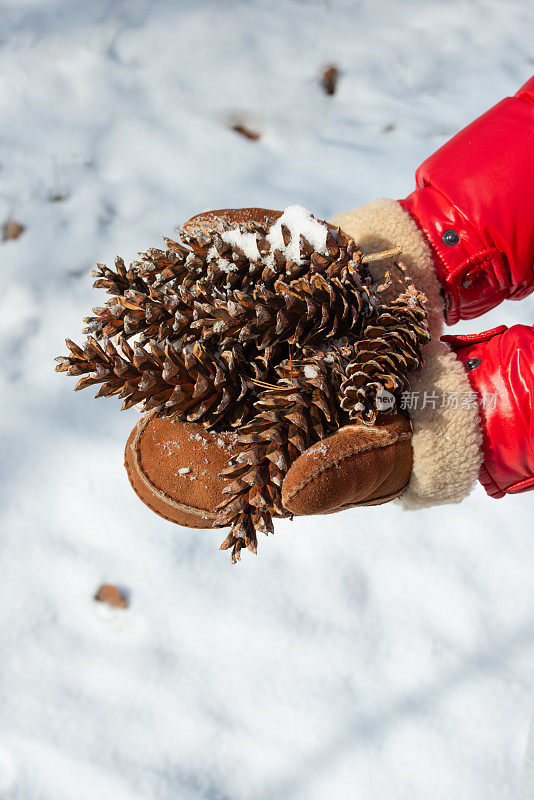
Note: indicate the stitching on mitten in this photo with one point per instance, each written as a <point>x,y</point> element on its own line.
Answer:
<point>154,509</point>
<point>353,452</point>
<point>376,502</point>
<point>147,503</point>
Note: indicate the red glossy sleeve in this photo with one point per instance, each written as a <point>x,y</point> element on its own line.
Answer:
<point>500,366</point>
<point>475,204</point>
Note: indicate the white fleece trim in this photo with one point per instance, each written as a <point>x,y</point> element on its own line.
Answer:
<point>447,442</point>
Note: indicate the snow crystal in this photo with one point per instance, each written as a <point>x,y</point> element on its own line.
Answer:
<point>310,371</point>
<point>227,266</point>
<point>222,263</point>
<point>300,222</point>
<point>319,450</point>
<point>167,447</point>
<point>199,438</point>
<point>246,241</point>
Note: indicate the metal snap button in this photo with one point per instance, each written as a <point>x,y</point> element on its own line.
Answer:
<point>450,238</point>
<point>471,278</point>
<point>472,363</point>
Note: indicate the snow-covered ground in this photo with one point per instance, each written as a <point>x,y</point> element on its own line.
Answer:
<point>377,654</point>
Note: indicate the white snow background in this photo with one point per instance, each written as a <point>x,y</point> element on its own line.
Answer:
<point>377,654</point>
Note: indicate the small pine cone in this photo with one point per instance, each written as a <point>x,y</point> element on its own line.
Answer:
<point>389,349</point>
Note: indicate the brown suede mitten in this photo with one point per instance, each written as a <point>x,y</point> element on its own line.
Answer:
<point>174,468</point>
<point>214,220</point>
<point>360,465</point>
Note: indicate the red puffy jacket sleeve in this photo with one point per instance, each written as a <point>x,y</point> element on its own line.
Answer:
<point>500,366</point>
<point>475,204</point>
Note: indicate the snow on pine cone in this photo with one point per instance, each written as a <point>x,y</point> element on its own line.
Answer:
<point>266,323</point>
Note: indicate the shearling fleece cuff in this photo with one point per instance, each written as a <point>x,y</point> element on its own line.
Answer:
<point>447,440</point>
<point>447,436</point>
